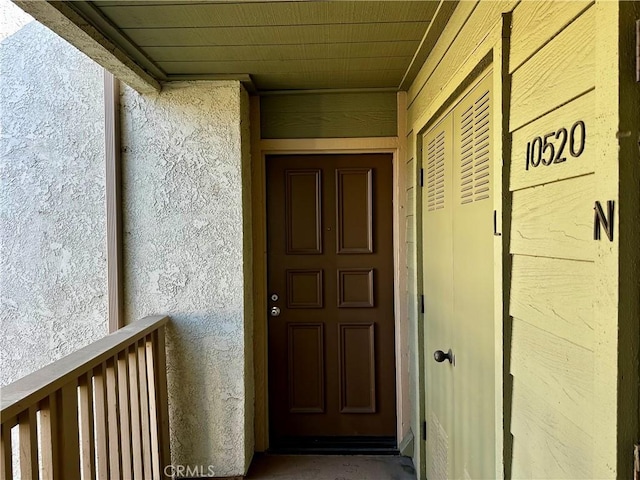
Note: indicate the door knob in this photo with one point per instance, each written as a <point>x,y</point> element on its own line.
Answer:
<point>440,356</point>
<point>275,311</point>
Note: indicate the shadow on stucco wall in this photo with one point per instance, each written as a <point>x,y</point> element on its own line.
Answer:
<point>53,287</point>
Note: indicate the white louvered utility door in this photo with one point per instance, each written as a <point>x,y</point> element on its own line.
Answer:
<point>438,286</point>
<point>473,297</point>
<point>458,283</point>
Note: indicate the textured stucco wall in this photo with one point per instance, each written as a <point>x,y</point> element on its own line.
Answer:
<point>53,287</point>
<point>187,244</point>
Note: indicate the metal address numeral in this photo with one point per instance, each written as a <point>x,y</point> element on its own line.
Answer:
<point>539,147</point>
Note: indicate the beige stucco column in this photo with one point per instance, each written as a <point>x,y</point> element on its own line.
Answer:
<point>187,241</point>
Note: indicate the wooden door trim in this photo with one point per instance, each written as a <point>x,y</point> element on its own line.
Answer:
<point>328,145</point>
<point>260,149</point>
<point>113,200</point>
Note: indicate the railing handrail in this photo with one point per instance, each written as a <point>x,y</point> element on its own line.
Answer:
<point>19,395</point>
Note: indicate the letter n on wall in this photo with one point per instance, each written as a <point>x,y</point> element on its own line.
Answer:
<point>602,220</point>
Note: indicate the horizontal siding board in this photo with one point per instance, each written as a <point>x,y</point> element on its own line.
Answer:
<point>554,220</point>
<point>125,3</point>
<point>559,72</point>
<point>411,229</point>
<point>329,125</point>
<point>486,17</point>
<point>583,108</point>
<point>555,295</point>
<point>328,115</point>
<point>546,444</point>
<point>330,102</point>
<point>256,53</point>
<point>521,466</point>
<point>412,285</point>
<point>411,271</point>
<point>344,79</point>
<point>440,19</point>
<point>411,201</point>
<point>460,16</point>
<point>286,35</point>
<point>411,267</point>
<point>411,173</point>
<point>283,67</point>
<point>555,369</point>
<point>411,146</point>
<point>534,23</point>
<point>251,14</point>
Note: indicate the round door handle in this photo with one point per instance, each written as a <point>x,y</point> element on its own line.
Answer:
<point>440,356</point>
<point>275,311</point>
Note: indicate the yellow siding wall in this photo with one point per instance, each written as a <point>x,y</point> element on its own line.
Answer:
<point>329,115</point>
<point>552,284</point>
<point>550,333</point>
<point>413,299</point>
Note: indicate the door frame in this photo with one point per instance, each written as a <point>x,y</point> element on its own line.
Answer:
<point>260,149</point>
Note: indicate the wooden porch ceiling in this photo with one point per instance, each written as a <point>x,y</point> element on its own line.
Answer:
<point>273,45</point>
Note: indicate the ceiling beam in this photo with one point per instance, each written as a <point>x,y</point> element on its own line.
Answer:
<point>243,78</point>
<point>113,33</point>
<point>75,29</point>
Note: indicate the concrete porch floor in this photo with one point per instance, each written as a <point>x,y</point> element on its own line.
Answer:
<point>331,467</point>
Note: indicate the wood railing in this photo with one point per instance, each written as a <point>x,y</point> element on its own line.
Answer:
<point>98,413</point>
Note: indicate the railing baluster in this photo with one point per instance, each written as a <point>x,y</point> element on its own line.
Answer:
<point>103,412</point>
<point>68,431</point>
<point>125,415</point>
<point>29,468</point>
<point>88,459</point>
<point>153,408</point>
<point>136,437</point>
<point>6,455</point>
<point>102,432</point>
<point>163,401</point>
<point>49,438</point>
<point>144,408</point>
<point>113,418</point>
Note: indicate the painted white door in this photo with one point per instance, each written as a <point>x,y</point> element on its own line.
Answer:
<point>438,290</point>
<point>458,275</point>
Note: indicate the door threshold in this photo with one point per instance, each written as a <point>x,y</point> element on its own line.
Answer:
<point>335,446</point>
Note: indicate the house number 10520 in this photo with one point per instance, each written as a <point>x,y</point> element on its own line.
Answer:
<point>551,147</point>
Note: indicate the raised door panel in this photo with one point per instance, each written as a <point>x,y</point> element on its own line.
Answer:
<point>354,222</point>
<point>355,288</point>
<point>303,215</point>
<point>305,288</point>
<point>357,368</point>
<point>306,368</point>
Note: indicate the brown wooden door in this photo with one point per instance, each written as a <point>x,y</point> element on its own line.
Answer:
<point>330,263</point>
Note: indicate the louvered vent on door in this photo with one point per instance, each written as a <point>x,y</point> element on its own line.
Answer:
<point>466,156</point>
<point>435,172</point>
<point>474,150</point>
